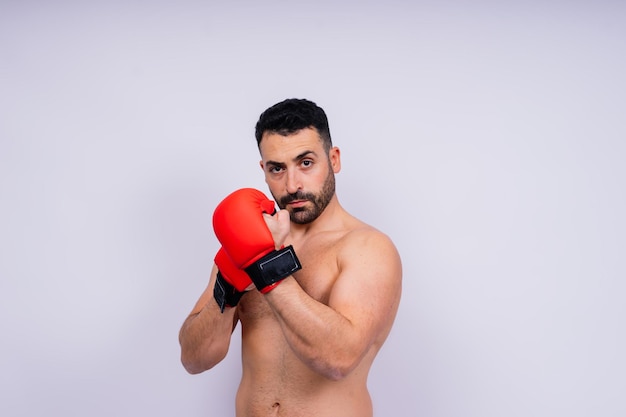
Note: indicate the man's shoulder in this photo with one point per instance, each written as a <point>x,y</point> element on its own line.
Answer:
<point>364,237</point>
<point>365,252</point>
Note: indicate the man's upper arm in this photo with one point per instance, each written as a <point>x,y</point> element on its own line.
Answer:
<point>367,290</point>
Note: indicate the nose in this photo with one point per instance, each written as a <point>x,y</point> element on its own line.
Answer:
<point>293,182</point>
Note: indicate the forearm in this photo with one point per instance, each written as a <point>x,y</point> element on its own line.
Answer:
<point>205,336</point>
<point>323,339</point>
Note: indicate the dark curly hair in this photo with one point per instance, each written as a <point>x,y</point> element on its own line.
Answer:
<point>290,116</point>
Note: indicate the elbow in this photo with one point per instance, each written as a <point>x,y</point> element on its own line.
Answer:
<point>191,364</point>
<point>336,363</point>
<point>198,361</point>
<point>338,371</point>
<point>189,358</point>
<point>193,367</point>
<point>196,366</point>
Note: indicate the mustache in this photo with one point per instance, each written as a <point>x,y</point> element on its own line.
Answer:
<point>298,195</point>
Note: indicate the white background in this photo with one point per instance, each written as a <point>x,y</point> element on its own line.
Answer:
<point>487,139</point>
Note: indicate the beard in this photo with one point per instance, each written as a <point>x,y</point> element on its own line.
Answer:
<point>305,215</point>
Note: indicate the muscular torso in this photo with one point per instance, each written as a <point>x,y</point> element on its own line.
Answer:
<point>274,381</point>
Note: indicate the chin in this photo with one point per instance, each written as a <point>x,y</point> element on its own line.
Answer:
<point>302,216</point>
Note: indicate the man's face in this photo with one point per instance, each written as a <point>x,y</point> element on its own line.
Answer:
<point>299,173</point>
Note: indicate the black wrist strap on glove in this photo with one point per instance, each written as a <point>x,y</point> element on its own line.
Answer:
<point>273,267</point>
<point>225,294</point>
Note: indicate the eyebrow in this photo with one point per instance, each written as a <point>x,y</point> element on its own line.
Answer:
<point>295,159</point>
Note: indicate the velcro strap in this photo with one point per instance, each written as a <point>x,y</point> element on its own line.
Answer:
<point>225,294</point>
<point>274,267</point>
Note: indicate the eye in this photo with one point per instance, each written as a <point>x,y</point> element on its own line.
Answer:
<point>307,163</point>
<point>275,169</point>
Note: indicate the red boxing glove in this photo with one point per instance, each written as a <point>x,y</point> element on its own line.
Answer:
<point>230,283</point>
<point>233,275</point>
<point>239,225</point>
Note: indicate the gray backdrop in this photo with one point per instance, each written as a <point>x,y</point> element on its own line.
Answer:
<point>487,139</point>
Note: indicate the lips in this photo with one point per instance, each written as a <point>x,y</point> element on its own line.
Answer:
<point>297,203</point>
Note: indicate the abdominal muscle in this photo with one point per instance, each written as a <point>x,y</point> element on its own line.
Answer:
<point>276,383</point>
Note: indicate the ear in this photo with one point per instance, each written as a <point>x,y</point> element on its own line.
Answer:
<point>335,159</point>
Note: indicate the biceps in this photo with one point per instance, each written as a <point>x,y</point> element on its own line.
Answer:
<point>367,296</point>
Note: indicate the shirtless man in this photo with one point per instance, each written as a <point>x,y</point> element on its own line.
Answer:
<point>308,343</point>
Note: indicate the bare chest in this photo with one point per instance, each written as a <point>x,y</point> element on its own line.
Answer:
<point>320,268</point>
